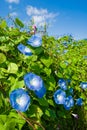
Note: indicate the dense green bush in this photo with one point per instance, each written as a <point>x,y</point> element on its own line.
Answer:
<point>54,59</point>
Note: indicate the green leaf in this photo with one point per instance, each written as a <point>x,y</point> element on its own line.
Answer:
<point>3,24</point>
<point>47,61</point>
<point>50,101</point>
<point>38,50</point>
<point>4,48</point>
<point>35,111</point>
<point>1,101</point>
<point>63,65</point>
<point>61,114</point>
<point>19,22</point>
<point>34,58</point>
<point>43,102</point>
<point>3,119</point>
<point>10,124</point>
<point>17,84</point>
<point>12,68</point>
<point>18,119</point>
<point>47,71</point>
<point>2,58</point>
<point>1,126</point>
<point>59,74</point>
<point>50,113</point>
<point>50,83</point>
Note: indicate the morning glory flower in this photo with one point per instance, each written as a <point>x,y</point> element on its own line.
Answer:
<point>35,83</point>
<point>83,85</point>
<point>35,41</point>
<point>19,100</point>
<point>69,102</point>
<point>40,93</point>
<point>59,96</point>
<point>62,84</point>
<point>79,102</point>
<point>25,50</point>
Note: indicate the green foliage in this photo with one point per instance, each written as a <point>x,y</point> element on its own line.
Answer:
<point>19,23</point>
<point>2,58</point>
<point>51,63</point>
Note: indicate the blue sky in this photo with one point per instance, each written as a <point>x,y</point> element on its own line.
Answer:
<point>63,16</point>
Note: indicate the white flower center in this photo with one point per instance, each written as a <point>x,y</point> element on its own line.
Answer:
<point>84,85</point>
<point>21,100</point>
<point>36,42</point>
<point>63,84</point>
<point>34,82</point>
<point>60,98</point>
<point>27,49</point>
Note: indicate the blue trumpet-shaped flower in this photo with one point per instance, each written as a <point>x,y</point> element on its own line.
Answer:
<point>62,84</point>
<point>69,102</point>
<point>35,41</point>
<point>79,102</point>
<point>40,93</point>
<point>20,100</point>
<point>35,83</point>
<point>59,96</point>
<point>25,50</point>
<point>83,85</point>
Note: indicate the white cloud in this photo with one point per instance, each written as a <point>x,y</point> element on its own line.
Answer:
<point>34,11</point>
<point>40,16</point>
<point>13,14</point>
<point>13,1</point>
<point>39,20</point>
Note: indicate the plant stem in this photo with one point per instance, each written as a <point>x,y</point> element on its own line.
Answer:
<point>27,120</point>
<point>30,120</point>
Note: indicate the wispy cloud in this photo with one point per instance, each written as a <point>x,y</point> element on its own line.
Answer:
<point>40,16</point>
<point>13,14</point>
<point>13,1</point>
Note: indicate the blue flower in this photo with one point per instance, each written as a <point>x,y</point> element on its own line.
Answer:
<point>35,83</point>
<point>79,102</point>
<point>25,50</point>
<point>19,100</point>
<point>69,102</point>
<point>62,84</point>
<point>35,41</point>
<point>59,96</point>
<point>40,93</point>
<point>83,85</point>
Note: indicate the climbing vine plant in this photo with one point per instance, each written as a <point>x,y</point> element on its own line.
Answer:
<point>43,80</point>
